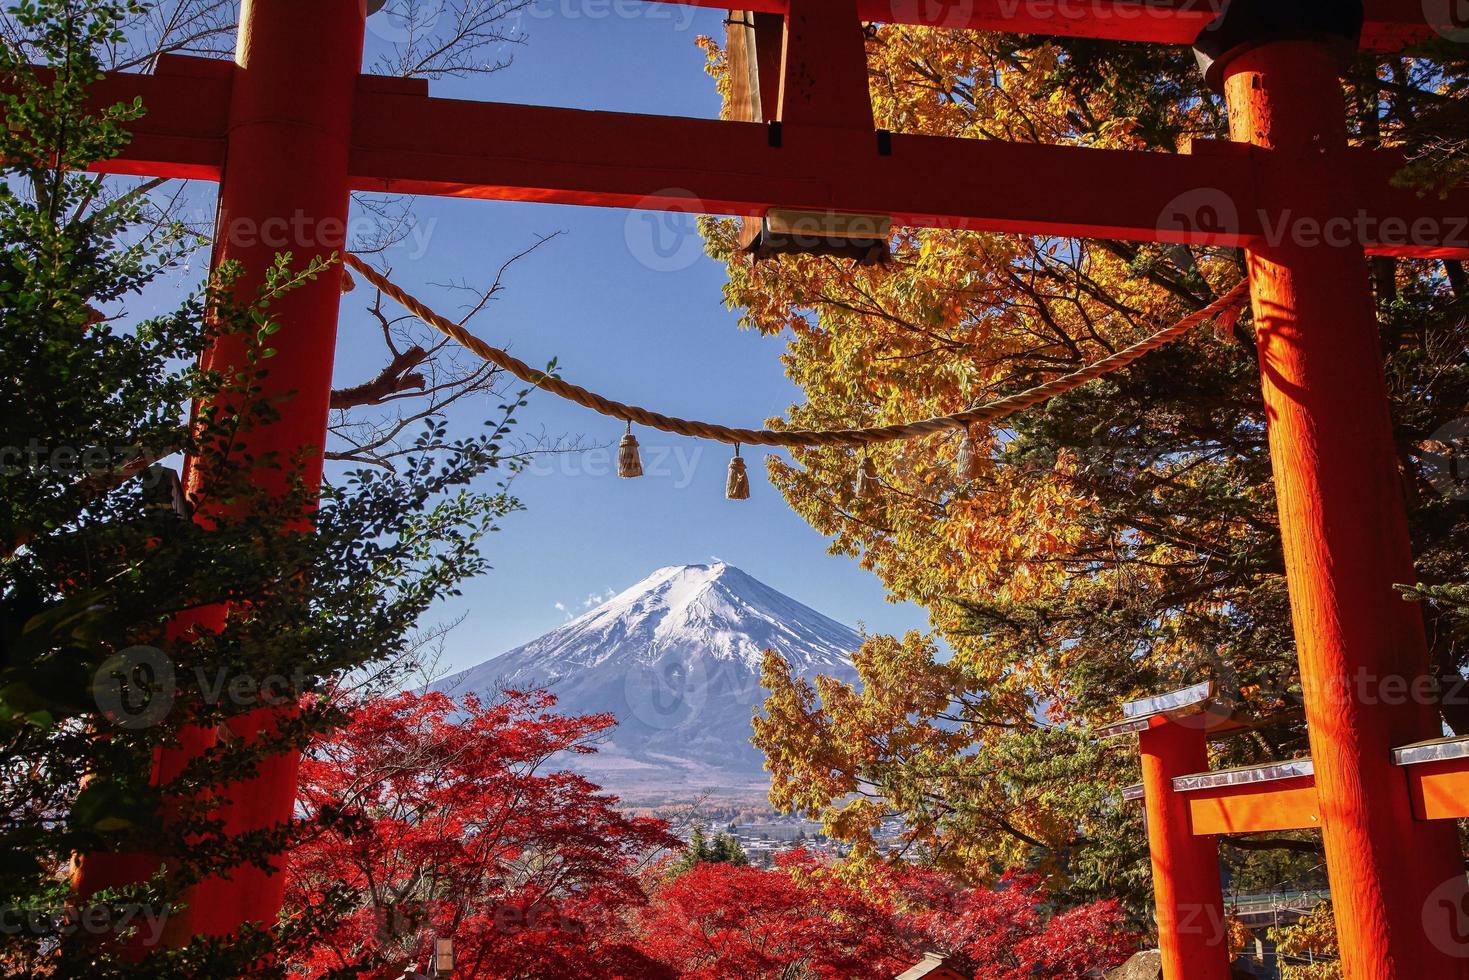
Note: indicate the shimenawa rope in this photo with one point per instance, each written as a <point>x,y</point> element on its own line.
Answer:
<point>1229,303</point>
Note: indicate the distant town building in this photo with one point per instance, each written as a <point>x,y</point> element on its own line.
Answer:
<point>778,831</point>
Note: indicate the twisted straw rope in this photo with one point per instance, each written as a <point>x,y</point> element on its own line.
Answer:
<point>798,438</point>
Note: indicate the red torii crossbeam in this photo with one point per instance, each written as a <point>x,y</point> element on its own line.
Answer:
<point>291,127</point>
<point>404,142</point>
<point>1388,25</point>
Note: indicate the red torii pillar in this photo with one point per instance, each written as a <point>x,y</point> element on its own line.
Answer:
<point>1340,497</point>
<point>284,188</point>
<point>1174,731</point>
<point>1193,936</point>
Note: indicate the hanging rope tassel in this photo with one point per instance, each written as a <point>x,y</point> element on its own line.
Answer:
<point>970,465</point>
<point>1224,325</point>
<point>738,485</point>
<point>629,461</point>
<point>868,482</point>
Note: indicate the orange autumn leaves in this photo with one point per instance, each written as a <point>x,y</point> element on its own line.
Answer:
<point>946,733</point>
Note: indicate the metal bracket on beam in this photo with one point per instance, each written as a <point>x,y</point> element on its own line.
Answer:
<point>790,231</point>
<point>1188,697</point>
<point>1252,799</point>
<point>1438,777</point>
<point>1436,750</point>
<point>1244,776</point>
<point>1201,701</point>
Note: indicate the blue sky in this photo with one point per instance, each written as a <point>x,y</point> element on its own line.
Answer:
<point>639,321</point>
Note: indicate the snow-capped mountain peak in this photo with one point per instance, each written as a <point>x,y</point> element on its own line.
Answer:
<point>676,658</point>
<point>712,610</point>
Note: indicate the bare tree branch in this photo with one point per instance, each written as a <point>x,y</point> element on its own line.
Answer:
<point>436,38</point>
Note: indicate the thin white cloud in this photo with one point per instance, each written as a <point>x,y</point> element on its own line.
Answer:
<point>570,610</point>
<point>595,599</point>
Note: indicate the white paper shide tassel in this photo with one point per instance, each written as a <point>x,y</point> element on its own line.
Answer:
<point>629,461</point>
<point>738,485</point>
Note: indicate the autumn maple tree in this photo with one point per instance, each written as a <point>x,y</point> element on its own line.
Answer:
<point>723,920</point>
<point>426,816</point>
<point>1120,541</point>
<point>809,918</point>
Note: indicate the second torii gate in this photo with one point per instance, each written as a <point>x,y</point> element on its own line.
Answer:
<point>291,127</point>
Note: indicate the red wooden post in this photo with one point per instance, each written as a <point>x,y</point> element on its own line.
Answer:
<point>1192,934</point>
<point>1341,512</point>
<point>824,66</point>
<point>284,189</point>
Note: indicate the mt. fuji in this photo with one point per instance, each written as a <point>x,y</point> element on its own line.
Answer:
<point>676,658</point>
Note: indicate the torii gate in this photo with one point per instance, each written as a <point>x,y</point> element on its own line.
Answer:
<point>291,127</point>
